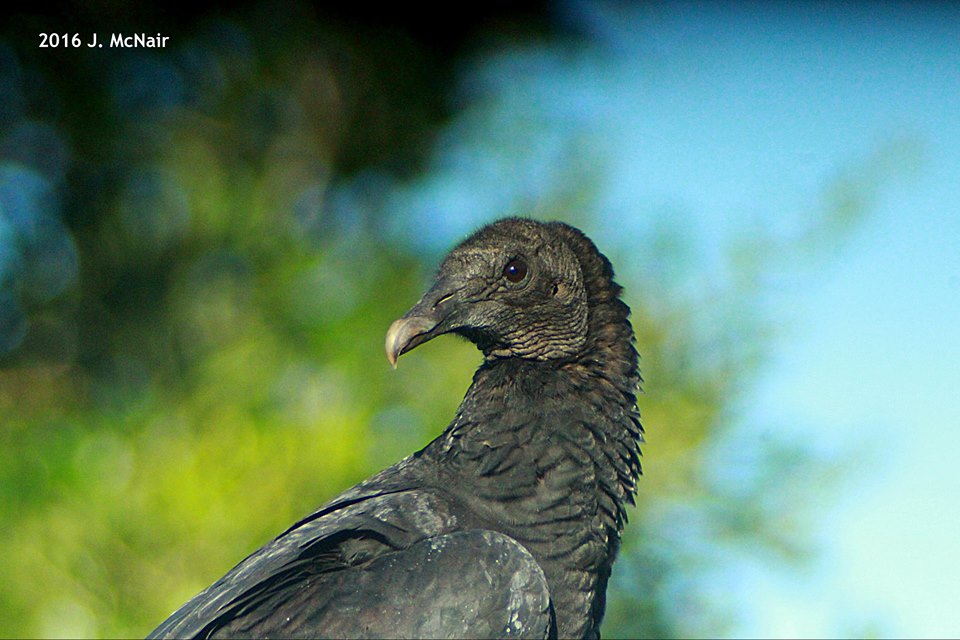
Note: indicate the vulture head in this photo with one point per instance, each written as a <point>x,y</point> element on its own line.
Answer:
<point>516,289</point>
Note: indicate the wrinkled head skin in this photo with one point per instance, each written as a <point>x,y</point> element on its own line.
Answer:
<point>514,289</point>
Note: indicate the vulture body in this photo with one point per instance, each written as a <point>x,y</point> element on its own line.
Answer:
<point>507,524</point>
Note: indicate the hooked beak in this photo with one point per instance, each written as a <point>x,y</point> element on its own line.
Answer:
<point>423,322</point>
<point>405,334</point>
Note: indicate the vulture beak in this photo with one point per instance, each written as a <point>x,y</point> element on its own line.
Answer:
<point>406,333</point>
<point>423,322</point>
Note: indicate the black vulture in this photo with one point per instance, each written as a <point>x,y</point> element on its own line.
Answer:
<point>508,523</point>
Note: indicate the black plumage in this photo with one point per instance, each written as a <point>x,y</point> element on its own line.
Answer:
<point>507,524</point>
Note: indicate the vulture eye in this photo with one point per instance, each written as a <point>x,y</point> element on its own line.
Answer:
<point>515,271</point>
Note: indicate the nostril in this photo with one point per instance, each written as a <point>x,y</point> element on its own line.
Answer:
<point>442,300</point>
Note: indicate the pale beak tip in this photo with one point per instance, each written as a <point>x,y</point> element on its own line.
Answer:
<point>393,345</point>
<point>405,334</point>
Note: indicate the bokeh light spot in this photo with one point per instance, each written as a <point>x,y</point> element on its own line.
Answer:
<point>154,209</point>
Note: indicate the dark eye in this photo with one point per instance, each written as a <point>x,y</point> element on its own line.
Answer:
<point>515,271</point>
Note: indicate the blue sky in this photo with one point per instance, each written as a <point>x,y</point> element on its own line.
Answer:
<point>764,107</point>
<point>739,115</point>
<point>779,103</point>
